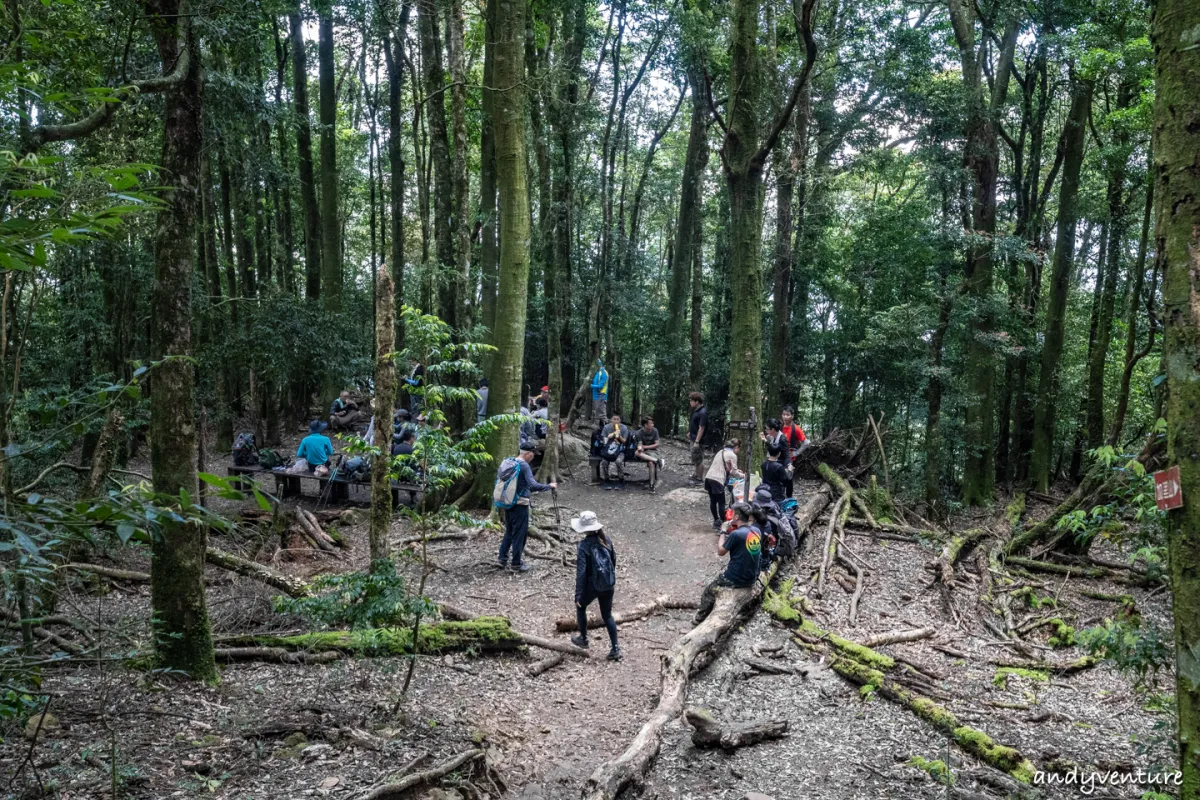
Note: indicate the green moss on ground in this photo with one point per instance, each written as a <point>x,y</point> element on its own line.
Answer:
<point>481,632</point>
<point>935,768</point>
<point>1002,675</point>
<point>1063,635</point>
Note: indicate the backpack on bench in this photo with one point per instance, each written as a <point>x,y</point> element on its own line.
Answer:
<point>245,451</point>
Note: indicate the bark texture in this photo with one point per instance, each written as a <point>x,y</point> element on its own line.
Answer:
<point>304,158</point>
<point>385,400</point>
<point>331,239</point>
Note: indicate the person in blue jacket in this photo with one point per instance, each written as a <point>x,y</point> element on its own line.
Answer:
<point>316,448</point>
<point>600,393</point>
<point>516,519</point>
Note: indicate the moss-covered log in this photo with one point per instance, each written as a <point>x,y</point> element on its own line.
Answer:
<point>289,585</point>
<point>841,487</point>
<point>482,633</point>
<point>955,549</point>
<point>869,669</point>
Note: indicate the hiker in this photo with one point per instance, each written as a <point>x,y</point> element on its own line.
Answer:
<point>780,523</point>
<point>481,403</point>
<point>774,474</point>
<point>696,426</point>
<point>343,413</point>
<point>595,579</point>
<point>773,436</point>
<point>541,409</point>
<point>647,449</point>
<point>532,430</point>
<point>415,381</point>
<point>796,440</point>
<point>402,442</point>
<point>743,544</point>
<point>615,436</point>
<point>314,451</point>
<point>545,395</point>
<point>600,392</point>
<point>723,467</point>
<point>516,516</point>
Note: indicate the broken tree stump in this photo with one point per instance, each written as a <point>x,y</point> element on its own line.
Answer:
<point>709,733</point>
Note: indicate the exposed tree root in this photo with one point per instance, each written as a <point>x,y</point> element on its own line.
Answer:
<point>568,624</point>
<point>873,670</point>
<point>839,485</point>
<point>687,654</point>
<point>398,789</point>
<point>709,733</point>
<point>1080,571</point>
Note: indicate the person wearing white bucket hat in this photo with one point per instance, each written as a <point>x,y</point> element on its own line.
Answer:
<point>595,579</point>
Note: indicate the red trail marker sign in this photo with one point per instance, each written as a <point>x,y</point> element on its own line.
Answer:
<point>1167,492</point>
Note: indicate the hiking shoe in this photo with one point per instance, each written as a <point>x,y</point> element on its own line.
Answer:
<point>614,654</point>
<point>716,525</point>
<point>522,567</point>
<point>579,641</point>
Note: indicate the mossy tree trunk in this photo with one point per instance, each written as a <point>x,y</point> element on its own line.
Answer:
<point>183,637</point>
<point>981,159</point>
<point>331,239</point>
<point>489,255</point>
<point>1132,354</point>
<point>385,399</point>
<point>1060,276</point>
<point>504,395</point>
<point>439,153</point>
<point>460,227</point>
<point>1176,35</point>
<point>304,158</point>
<point>393,51</point>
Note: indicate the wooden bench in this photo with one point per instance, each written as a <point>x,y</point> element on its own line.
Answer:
<point>291,484</point>
<point>651,469</point>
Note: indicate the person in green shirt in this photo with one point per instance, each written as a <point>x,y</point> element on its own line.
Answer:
<point>316,448</point>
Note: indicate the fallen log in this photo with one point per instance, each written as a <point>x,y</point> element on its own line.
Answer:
<point>547,663</point>
<point>896,637</point>
<point>1075,571</point>
<point>856,590</point>
<point>709,733</point>
<point>610,778</point>
<point>293,587</point>
<point>955,549</point>
<point>1078,665</point>
<point>131,576</point>
<point>830,544</point>
<point>65,645</point>
<point>389,790</point>
<point>772,668</point>
<point>275,654</point>
<point>569,624</point>
<point>550,644</point>
<point>868,668</point>
<point>839,485</point>
<point>488,634</point>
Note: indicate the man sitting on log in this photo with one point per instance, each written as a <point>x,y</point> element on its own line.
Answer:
<point>743,544</point>
<point>344,413</point>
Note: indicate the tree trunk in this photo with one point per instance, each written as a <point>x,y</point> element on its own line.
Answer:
<point>1060,276</point>
<point>934,391</point>
<point>439,153</point>
<point>488,252</point>
<point>460,226</point>
<point>331,240</point>
<point>1176,39</point>
<point>1132,354</point>
<point>384,401</point>
<point>504,396</point>
<point>183,637</point>
<point>283,216</point>
<point>308,186</point>
<point>393,52</point>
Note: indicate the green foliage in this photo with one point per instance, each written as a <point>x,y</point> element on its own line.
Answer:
<point>378,598</point>
<point>1136,647</point>
<point>937,769</point>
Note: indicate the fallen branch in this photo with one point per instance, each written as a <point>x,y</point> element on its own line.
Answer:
<point>398,789</point>
<point>709,733</point>
<point>896,637</point>
<point>839,485</point>
<point>275,654</point>
<point>830,544</point>
<point>1078,665</point>
<point>293,587</point>
<point>693,648</point>
<point>547,663</point>
<point>955,549</point>
<point>110,572</point>
<point>569,624</point>
<point>773,668</point>
<point>48,636</point>
<point>550,644</point>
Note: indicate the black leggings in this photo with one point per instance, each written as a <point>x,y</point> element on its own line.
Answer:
<point>605,599</point>
<point>716,499</point>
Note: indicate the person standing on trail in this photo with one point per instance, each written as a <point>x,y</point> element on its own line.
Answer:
<point>516,519</point>
<point>724,465</point>
<point>696,426</point>
<point>600,393</point>
<point>595,579</point>
<point>774,474</point>
<point>797,443</point>
<point>743,544</point>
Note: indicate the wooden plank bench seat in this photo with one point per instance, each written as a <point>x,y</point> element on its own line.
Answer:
<point>291,484</point>
<point>651,469</point>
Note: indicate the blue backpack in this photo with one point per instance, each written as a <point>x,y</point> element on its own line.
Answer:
<point>504,493</point>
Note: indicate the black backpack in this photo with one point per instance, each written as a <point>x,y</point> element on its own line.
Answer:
<point>612,449</point>
<point>602,574</point>
<point>245,452</point>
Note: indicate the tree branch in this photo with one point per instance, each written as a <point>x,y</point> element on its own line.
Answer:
<point>785,114</point>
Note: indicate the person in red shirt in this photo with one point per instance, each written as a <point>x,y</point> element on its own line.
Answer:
<point>796,441</point>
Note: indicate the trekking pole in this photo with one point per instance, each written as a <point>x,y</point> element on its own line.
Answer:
<point>323,498</point>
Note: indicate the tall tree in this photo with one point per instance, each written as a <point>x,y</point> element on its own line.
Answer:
<point>393,52</point>
<point>183,637</point>
<point>1072,145</point>
<point>744,153</point>
<point>384,402</point>
<point>331,238</point>
<point>1176,39</point>
<point>504,396</point>
<point>439,154</point>
<point>462,185</point>
<point>981,159</point>
<point>308,186</point>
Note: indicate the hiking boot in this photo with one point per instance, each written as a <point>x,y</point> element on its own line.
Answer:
<point>716,525</point>
<point>522,567</point>
<point>614,654</point>
<point>579,641</point>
